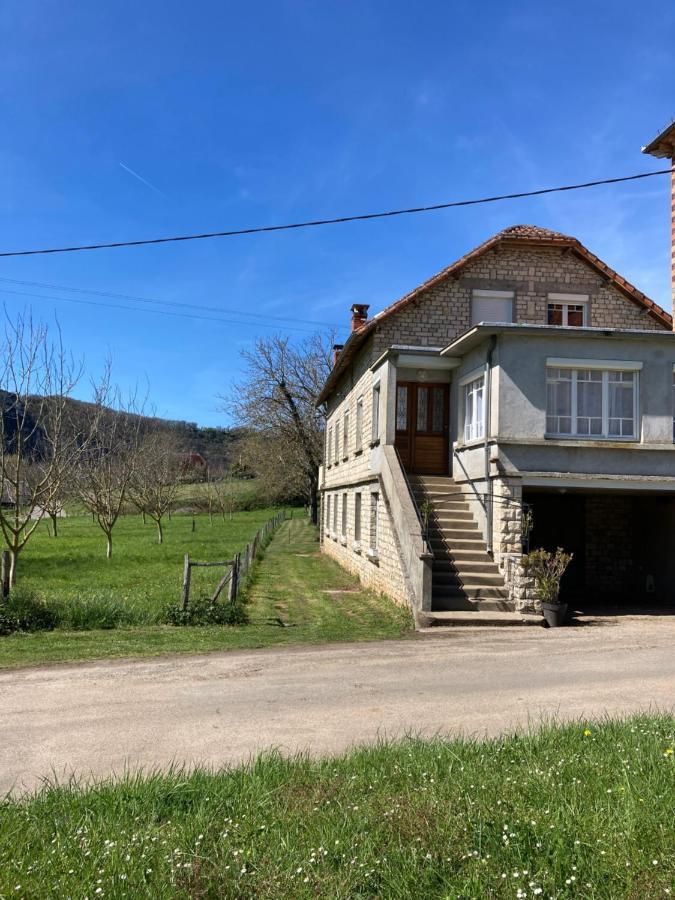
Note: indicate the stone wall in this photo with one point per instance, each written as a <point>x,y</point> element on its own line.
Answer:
<point>383,571</point>
<point>507,544</point>
<point>609,545</point>
<point>444,311</point>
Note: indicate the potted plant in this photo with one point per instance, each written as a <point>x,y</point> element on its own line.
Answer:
<point>546,570</point>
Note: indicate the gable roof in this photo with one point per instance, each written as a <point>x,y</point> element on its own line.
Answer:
<point>513,236</point>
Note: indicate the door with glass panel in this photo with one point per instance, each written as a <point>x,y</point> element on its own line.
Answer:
<point>422,427</point>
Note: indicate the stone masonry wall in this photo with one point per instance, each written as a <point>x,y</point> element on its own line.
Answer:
<point>384,573</point>
<point>444,311</point>
<point>355,463</point>
<point>609,544</point>
<point>507,544</point>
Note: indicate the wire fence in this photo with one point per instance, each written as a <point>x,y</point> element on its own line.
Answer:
<point>236,569</point>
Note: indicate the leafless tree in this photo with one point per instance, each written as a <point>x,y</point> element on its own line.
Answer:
<point>38,446</point>
<point>104,474</point>
<point>276,401</point>
<point>220,493</point>
<point>154,482</point>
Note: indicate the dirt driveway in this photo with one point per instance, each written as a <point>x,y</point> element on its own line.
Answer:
<point>95,719</point>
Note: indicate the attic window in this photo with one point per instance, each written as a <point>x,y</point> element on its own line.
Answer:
<point>570,310</point>
<point>491,306</point>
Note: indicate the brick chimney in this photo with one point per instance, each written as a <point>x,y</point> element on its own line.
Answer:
<point>663,147</point>
<point>337,350</point>
<point>359,314</point>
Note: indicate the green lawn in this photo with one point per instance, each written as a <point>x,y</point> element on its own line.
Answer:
<point>296,594</point>
<point>142,574</point>
<point>582,811</point>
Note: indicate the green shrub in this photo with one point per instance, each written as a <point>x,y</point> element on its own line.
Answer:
<point>205,612</point>
<point>24,612</point>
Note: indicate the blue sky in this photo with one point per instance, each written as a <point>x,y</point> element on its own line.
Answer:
<point>238,114</point>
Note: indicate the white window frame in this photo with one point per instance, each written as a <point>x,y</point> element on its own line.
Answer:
<point>567,300</point>
<point>358,512</point>
<point>470,385</point>
<point>359,425</point>
<point>477,294</point>
<point>376,399</point>
<point>373,537</point>
<point>605,367</point>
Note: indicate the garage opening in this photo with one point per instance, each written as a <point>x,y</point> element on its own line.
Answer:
<point>623,546</point>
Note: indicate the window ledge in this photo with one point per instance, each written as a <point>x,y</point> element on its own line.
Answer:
<point>373,556</point>
<point>356,546</point>
<point>584,440</point>
<point>467,445</point>
<point>358,452</point>
<point>375,443</point>
<point>343,541</point>
<point>345,458</point>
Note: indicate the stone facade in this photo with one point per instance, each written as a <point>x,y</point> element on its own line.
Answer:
<point>444,311</point>
<point>609,544</point>
<point>508,543</point>
<point>376,557</point>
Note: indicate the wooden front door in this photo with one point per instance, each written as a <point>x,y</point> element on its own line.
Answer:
<point>422,427</point>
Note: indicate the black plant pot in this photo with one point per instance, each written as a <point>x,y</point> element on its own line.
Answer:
<point>554,613</point>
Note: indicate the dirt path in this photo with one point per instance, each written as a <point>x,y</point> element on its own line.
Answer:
<point>98,718</point>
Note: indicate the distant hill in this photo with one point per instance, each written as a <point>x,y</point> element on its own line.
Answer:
<point>218,446</point>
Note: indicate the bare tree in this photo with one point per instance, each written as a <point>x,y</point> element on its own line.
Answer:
<point>155,478</point>
<point>37,445</point>
<point>276,400</point>
<point>104,474</point>
<point>220,493</point>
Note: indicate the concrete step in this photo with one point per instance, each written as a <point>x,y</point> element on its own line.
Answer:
<point>472,554</point>
<point>478,580</point>
<point>438,495</point>
<point>462,540</point>
<point>468,604</point>
<point>428,480</point>
<point>472,591</point>
<point>450,561</point>
<point>432,621</point>
<point>468,531</point>
<point>442,517</point>
<point>449,507</point>
<point>477,574</point>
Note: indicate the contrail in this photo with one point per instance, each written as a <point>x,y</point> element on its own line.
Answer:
<point>143,180</point>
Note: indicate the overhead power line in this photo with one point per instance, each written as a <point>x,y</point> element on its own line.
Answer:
<point>314,223</point>
<point>157,302</point>
<point>157,312</point>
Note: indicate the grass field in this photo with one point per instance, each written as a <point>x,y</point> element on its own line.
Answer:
<point>142,574</point>
<point>296,594</point>
<point>582,811</point>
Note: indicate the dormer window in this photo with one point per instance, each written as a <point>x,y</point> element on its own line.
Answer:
<point>568,309</point>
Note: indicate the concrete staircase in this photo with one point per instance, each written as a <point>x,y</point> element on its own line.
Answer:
<point>465,578</point>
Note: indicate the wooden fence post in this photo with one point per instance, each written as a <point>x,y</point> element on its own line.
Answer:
<point>186,583</point>
<point>6,565</point>
<point>234,581</point>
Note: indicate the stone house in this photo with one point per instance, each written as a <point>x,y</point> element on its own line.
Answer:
<point>526,377</point>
